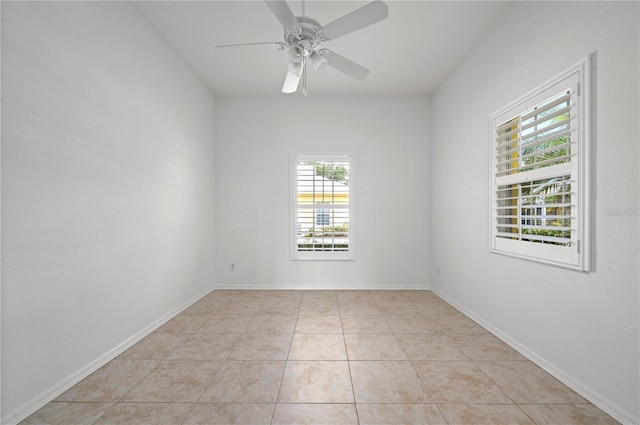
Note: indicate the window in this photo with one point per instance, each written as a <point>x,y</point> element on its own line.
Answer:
<point>539,173</point>
<point>322,207</point>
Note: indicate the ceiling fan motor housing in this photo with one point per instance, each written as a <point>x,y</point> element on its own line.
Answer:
<point>306,39</point>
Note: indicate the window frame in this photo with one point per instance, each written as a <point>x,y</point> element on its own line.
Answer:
<point>295,253</point>
<point>578,254</point>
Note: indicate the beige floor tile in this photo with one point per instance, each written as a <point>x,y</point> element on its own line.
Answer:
<point>245,382</point>
<point>423,297</point>
<point>227,323</point>
<point>398,307</point>
<point>228,293</point>
<point>351,296</point>
<point>316,382</point>
<point>319,324</point>
<point>388,296</point>
<point>67,413</point>
<point>365,325</point>
<point>206,346</point>
<point>280,307</point>
<point>373,347</point>
<point>145,414</point>
<point>320,295</point>
<point>568,414</point>
<point>319,307</point>
<point>244,306</point>
<point>216,295</point>
<point>315,414</point>
<point>386,414</point>
<point>459,382</point>
<point>485,347</point>
<point>272,324</point>
<point>484,414</point>
<point>286,295</point>
<point>408,324</point>
<point>184,323</point>
<point>206,306</point>
<point>318,347</point>
<point>230,414</point>
<point>228,358</point>
<point>252,295</point>
<point>525,383</point>
<point>358,308</point>
<point>387,382</point>
<point>174,381</point>
<point>430,347</point>
<point>457,323</point>
<point>262,347</point>
<point>436,308</point>
<point>156,346</point>
<point>110,382</point>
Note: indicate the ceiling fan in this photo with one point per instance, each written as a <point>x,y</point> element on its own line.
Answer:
<point>304,37</point>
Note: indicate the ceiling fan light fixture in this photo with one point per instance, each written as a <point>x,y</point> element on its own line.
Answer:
<point>295,69</point>
<point>317,61</point>
<point>296,53</point>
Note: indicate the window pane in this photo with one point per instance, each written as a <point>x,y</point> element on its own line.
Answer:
<point>332,236</point>
<point>537,211</point>
<point>539,137</point>
<point>323,182</point>
<point>322,212</point>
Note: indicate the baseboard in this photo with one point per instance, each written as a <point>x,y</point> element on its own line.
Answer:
<point>597,400</point>
<point>324,286</point>
<point>52,393</point>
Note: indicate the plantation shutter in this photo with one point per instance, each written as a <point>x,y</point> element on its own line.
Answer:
<point>322,207</point>
<point>536,205</point>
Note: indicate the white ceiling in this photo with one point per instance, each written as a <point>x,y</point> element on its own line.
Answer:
<point>410,53</point>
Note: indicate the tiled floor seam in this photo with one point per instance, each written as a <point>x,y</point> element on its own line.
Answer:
<point>286,363</point>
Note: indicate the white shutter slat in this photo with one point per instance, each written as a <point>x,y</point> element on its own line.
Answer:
<point>536,174</point>
<point>551,103</point>
<point>516,149</point>
<point>546,119</point>
<point>530,138</point>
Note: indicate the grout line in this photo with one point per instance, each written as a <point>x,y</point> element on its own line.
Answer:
<point>286,362</point>
<point>353,388</point>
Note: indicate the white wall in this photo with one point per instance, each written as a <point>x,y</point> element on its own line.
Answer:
<point>582,327</point>
<point>107,190</point>
<point>254,137</point>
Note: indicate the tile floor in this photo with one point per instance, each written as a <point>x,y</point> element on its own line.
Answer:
<point>320,357</point>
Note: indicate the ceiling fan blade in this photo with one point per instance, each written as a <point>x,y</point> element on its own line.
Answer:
<point>279,45</point>
<point>294,72</point>
<point>368,14</point>
<point>345,65</point>
<point>283,12</point>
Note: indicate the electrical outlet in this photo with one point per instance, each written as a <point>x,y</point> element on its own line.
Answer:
<point>232,267</point>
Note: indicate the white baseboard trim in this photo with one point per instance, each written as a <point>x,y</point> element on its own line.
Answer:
<point>323,286</point>
<point>52,393</point>
<point>596,399</point>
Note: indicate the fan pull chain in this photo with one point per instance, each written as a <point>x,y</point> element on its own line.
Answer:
<point>304,76</point>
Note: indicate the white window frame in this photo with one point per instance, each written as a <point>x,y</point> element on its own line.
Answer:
<point>577,253</point>
<point>296,254</point>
